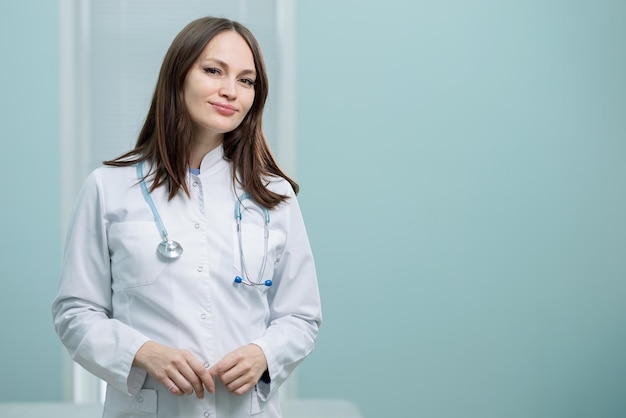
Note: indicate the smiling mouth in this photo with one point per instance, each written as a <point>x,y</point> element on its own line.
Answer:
<point>224,109</point>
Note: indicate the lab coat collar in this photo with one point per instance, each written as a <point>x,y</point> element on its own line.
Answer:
<point>213,162</point>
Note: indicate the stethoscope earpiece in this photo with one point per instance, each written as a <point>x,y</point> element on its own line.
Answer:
<point>238,280</point>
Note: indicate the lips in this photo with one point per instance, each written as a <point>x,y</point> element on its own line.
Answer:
<point>224,108</point>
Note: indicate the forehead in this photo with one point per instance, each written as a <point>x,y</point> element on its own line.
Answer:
<point>229,47</point>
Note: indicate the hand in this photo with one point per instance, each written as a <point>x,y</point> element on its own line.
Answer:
<point>177,370</point>
<point>241,369</point>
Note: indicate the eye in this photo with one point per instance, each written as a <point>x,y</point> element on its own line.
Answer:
<point>212,70</point>
<point>248,81</point>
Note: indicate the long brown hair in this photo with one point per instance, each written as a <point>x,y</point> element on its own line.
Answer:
<point>166,138</point>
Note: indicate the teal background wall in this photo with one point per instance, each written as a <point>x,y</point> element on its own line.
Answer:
<point>462,167</point>
<point>30,355</point>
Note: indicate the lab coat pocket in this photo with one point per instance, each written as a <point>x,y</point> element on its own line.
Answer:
<point>257,406</point>
<point>133,251</point>
<point>120,405</point>
<point>257,263</point>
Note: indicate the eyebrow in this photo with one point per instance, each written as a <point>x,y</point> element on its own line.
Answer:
<point>223,64</point>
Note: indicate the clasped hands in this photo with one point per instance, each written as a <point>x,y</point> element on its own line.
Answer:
<point>184,374</point>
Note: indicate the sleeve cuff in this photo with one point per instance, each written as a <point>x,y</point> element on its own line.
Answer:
<point>136,377</point>
<point>265,377</point>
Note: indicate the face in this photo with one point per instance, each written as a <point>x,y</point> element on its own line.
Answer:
<point>219,87</point>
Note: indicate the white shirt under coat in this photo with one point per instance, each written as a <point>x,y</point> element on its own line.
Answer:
<point>116,293</point>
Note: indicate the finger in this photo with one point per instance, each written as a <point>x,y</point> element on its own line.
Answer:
<point>209,383</point>
<point>237,377</point>
<point>227,362</point>
<point>213,371</point>
<point>203,376</point>
<point>193,379</point>
<point>231,376</point>
<point>174,389</point>
<point>182,384</point>
<point>231,368</point>
<point>208,380</point>
<point>240,385</point>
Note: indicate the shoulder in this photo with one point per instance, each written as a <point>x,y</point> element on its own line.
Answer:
<point>109,181</point>
<point>110,176</point>
<point>107,172</point>
<point>279,185</point>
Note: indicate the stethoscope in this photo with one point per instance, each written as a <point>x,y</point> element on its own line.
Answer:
<point>266,235</point>
<point>172,250</point>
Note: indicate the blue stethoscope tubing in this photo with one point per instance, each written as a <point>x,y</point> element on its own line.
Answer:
<point>266,234</point>
<point>167,248</point>
<point>172,249</point>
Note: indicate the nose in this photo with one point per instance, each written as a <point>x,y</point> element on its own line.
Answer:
<point>228,89</point>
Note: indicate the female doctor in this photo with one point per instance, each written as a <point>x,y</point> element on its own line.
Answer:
<point>188,283</point>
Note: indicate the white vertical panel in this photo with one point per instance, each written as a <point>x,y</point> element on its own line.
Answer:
<point>74,99</point>
<point>285,83</point>
<point>74,51</point>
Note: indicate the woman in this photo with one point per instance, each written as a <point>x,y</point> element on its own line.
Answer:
<point>187,267</point>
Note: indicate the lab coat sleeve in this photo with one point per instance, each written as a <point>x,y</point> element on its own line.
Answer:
<point>294,300</point>
<point>82,309</point>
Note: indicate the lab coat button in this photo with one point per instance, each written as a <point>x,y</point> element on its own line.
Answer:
<point>194,184</point>
<point>197,226</point>
<point>206,364</point>
<point>200,269</point>
<point>206,414</point>
<point>139,399</point>
<point>203,316</point>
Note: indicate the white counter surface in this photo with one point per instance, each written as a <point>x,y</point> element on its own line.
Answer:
<point>294,408</point>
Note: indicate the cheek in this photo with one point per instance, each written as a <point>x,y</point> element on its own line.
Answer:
<point>195,88</point>
<point>249,101</point>
<point>188,97</point>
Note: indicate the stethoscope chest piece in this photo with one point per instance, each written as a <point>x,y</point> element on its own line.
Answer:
<point>170,249</point>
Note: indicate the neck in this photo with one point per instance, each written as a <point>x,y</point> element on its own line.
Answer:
<point>202,148</point>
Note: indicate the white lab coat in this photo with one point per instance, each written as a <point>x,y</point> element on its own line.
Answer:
<point>116,293</point>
